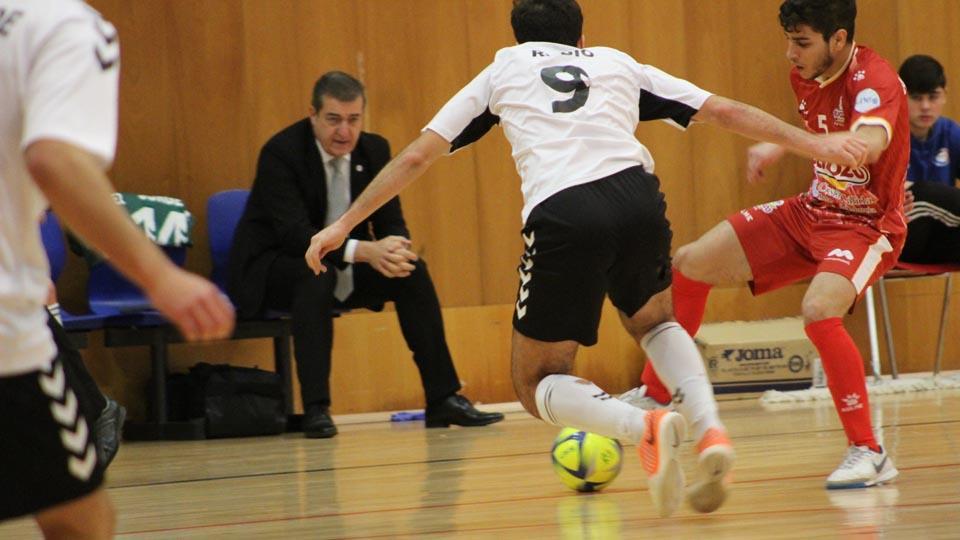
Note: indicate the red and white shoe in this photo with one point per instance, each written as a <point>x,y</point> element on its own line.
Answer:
<point>659,451</point>
<point>716,459</point>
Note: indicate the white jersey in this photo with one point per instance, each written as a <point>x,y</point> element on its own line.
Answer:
<point>58,80</point>
<point>570,114</point>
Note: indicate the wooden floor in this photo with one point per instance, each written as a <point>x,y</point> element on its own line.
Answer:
<point>377,480</point>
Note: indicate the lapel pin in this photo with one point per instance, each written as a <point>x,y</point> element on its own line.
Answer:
<point>359,168</point>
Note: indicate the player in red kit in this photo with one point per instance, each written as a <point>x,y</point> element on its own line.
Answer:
<point>844,232</point>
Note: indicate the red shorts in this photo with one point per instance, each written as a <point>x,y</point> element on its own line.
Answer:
<point>786,241</point>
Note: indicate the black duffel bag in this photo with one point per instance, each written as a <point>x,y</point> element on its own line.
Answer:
<point>234,401</point>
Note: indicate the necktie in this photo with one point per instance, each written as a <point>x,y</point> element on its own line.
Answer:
<point>338,200</point>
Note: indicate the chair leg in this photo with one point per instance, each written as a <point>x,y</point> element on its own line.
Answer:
<point>943,323</point>
<point>281,358</point>
<point>884,307</point>
<point>158,363</point>
<point>872,331</point>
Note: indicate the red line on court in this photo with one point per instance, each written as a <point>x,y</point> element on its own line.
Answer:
<point>308,517</point>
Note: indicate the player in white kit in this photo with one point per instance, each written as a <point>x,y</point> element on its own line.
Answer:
<point>59,64</point>
<point>594,225</point>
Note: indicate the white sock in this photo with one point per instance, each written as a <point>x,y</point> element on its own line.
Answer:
<point>568,401</point>
<point>677,361</point>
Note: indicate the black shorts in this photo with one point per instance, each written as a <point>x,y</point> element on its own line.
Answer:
<point>46,443</point>
<point>610,236</point>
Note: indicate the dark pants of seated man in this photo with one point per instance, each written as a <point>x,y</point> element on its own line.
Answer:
<point>933,235</point>
<point>293,287</point>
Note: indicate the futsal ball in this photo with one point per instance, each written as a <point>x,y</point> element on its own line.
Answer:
<point>585,461</point>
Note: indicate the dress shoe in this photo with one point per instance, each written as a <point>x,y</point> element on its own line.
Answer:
<point>108,427</point>
<point>458,410</point>
<point>317,423</point>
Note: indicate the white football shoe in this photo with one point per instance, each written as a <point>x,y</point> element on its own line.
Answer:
<point>862,467</point>
<point>638,398</point>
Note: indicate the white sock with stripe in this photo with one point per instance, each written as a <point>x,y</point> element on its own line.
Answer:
<point>677,361</point>
<point>568,401</point>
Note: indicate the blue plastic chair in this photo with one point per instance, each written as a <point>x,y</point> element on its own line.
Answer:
<point>113,299</point>
<point>111,294</point>
<point>56,248</point>
<point>224,210</point>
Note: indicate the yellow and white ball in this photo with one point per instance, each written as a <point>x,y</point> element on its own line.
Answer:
<point>586,461</point>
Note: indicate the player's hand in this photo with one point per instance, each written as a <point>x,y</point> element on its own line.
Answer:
<point>908,199</point>
<point>759,157</point>
<point>194,305</point>
<point>844,148</point>
<point>325,241</point>
<point>391,256</point>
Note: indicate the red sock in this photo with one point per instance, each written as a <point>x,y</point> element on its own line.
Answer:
<point>655,388</point>
<point>845,376</point>
<point>689,302</point>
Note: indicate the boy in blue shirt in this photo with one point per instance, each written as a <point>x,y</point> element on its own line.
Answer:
<point>933,202</point>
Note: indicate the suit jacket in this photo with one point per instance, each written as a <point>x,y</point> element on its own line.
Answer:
<point>287,206</point>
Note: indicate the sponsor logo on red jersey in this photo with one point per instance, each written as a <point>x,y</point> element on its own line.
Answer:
<point>841,177</point>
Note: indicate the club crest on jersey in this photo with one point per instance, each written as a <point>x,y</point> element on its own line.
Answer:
<point>867,100</point>
<point>942,158</point>
<point>839,118</point>
<point>841,177</point>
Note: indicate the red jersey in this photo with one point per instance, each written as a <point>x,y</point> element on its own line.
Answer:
<point>867,91</point>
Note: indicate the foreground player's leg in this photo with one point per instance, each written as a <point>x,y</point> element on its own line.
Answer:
<point>678,362</point>
<point>540,376</point>
<point>865,464</point>
<point>715,258</point>
<point>90,517</point>
<point>689,303</point>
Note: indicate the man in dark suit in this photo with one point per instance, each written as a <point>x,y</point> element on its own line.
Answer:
<point>307,175</point>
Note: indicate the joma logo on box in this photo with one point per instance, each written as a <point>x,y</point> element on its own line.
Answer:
<point>767,353</point>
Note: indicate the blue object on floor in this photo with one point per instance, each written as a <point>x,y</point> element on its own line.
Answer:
<point>407,416</point>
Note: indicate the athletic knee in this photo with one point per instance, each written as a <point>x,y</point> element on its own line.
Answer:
<point>818,308</point>
<point>532,361</point>
<point>657,311</point>
<point>526,388</point>
<point>689,260</point>
<point>529,402</point>
<point>527,378</point>
<point>525,385</point>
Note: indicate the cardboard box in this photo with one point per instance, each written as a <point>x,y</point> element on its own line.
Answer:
<point>757,355</point>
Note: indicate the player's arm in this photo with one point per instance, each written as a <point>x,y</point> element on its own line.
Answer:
<point>840,148</point>
<point>412,162</point>
<point>80,193</point>
<point>876,139</point>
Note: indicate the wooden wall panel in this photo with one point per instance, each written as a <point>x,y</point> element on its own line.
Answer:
<point>931,28</point>
<point>499,201</point>
<point>672,149</point>
<point>715,153</point>
<point>205,83</point>
<point>427,63</point>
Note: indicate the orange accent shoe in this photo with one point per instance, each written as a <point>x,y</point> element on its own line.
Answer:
<point>658,450</point>
<point>716,459</point>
